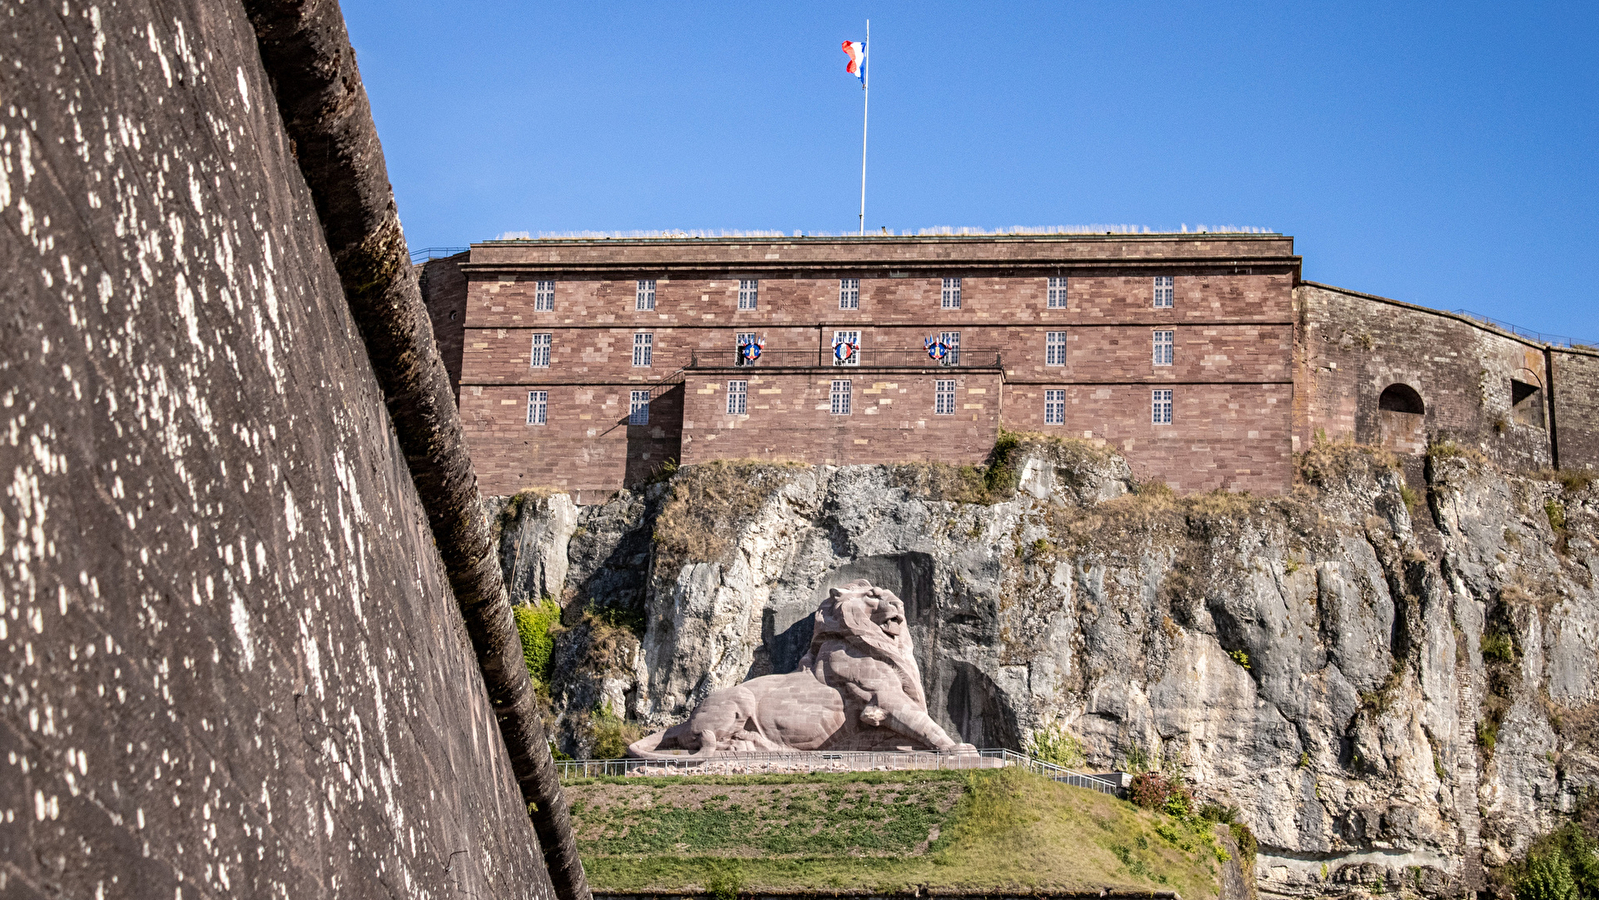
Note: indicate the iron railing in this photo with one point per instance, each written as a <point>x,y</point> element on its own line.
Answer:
<point>423,254</point>
<point>838,761</point>
<point>1554,340</point>
<point>862,359</point>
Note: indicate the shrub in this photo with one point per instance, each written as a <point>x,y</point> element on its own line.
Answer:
<point>611,734</point>
<point>1240,657</point>
<point>1547,877</point>
<point>1247,847</point>
<point>1152,790</point>
<point>1411,498</point>
<point>533,623</point>
<point>1556,511</point>
<point>726,880</point>
<point>1498,647</point>
<point>1058,746</point>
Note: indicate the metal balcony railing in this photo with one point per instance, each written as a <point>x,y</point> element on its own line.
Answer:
<point>862,359</point>
<point>839,761</point>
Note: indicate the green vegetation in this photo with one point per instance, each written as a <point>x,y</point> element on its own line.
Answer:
<point>1556,511</point>
<point>534,622</point>
<point>1561,865</point>
<point>1057,746</point>
<point>994,829</point>
<point>611,734</point>
<point>1240,657</point>
<point>1411,498</point>
<point>1498,647</point>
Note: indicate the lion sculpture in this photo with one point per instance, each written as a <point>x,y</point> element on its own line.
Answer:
<point>857,688</point>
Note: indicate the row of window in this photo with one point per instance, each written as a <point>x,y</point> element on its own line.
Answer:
<point>839,402</point>
<point>1054,348</point>
<point>849,293</point>
<point>1159,407</point>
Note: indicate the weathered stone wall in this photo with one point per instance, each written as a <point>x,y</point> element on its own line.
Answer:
<point>1576,407</point>
<point>444,291</point>
<point>1354,346</point>
<point>230,663</point>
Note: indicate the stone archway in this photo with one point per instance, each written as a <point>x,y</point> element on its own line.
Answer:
<point>1402,417</point>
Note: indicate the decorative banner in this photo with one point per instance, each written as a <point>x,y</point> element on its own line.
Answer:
<point>750,352</point>
<point>936,348</point>
<point>844,351</point>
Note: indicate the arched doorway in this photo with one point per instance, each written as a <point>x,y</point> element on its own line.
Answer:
<point>1402,417</point>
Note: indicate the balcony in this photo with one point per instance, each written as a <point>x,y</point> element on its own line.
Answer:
<point>863,359</point>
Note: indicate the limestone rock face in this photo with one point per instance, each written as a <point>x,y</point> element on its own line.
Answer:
<point>1388,690</point>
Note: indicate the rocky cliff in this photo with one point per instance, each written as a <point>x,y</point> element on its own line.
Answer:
<point>1394,683</point>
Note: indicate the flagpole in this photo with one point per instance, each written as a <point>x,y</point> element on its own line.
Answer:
<point>866,99</point>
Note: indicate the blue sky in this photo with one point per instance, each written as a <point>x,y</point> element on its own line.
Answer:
<point>1442,154</point>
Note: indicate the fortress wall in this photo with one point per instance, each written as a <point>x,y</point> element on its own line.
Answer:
<point>1222,436</point>
<point>444,291</point>
<point>891,417</point>
<point>1577,407</point>
<point>1096,354</point>
<point>230,664</point>
<point>586,446</point>
<point>501,300</point>
<point>1353,346</point>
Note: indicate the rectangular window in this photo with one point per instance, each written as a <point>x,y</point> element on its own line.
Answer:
<point>944,397</point>
<point>1163,347</point>
<point>1160,407</point>
<point>741,356</point>
<point>738,393</point>
<point>748,290</point>
<point>950,297</point>
<point>643,349</point>
<point>1054,407</point>
<point>646,294</point>
<point>1054,348</point>
<point>846,348</point>
<point>638,408</point>
<point>952,340</point>
<point>1057,292</point>
<point>538,407</point>
<point>543,296</point>
<point>541,351</point>
<point>1163,291</point>
<point>849,293</point>
<point>840,398</point>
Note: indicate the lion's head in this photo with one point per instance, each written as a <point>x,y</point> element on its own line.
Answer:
<point>870,618</point>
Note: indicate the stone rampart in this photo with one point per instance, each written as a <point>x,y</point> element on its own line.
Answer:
<point>230,663</point>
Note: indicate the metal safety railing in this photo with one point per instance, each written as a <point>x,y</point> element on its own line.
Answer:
<point>860,359</point>
<point>423,254</point>
<point>821,761</point>
<point>1554,340</point>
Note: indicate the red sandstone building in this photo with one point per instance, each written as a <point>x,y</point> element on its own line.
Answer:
<point>588,364</point>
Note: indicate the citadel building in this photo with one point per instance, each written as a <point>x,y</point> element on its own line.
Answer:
<point>588,364</point>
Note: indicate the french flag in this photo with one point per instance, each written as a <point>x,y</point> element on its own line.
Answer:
<point>857,59</point>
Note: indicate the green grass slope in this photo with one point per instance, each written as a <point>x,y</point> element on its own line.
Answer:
<point>1002,829</point>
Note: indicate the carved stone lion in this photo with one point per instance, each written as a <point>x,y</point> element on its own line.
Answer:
<point>857,688</point>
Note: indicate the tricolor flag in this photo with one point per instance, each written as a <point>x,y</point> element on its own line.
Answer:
<point>857,59</point>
